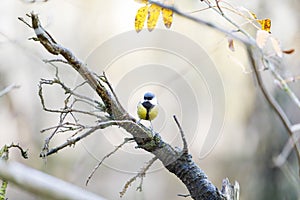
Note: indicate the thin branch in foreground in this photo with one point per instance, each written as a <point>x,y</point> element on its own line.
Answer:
<point>126,140</point>
<point>140,175</point>
<point>42,185</point>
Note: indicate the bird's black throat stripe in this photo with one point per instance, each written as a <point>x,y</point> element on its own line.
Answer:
<point>148,107</point>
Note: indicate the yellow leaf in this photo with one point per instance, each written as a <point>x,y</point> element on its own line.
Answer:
<point>153,14</point>
<point>140,18</point>
<point>167,17</point>
<point>265,24</point>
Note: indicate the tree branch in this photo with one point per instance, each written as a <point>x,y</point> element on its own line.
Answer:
<point>244,40</point>
<point>273,103</point>
<point>178,163</point>
<point>126,140</point>
<point>185,145</point>
<point>140,175</point>
<point>41,184</point>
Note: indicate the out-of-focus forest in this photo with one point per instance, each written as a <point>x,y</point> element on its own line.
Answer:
<point>251,135</point>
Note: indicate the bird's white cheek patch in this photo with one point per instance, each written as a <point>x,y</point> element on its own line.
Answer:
<point>153,101</point>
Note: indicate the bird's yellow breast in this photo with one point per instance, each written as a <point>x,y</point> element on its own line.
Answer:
<point>153,113</point>
<point>145,114</point>
<point>141,111</point>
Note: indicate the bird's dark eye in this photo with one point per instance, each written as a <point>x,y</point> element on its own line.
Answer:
<point>148,98</point>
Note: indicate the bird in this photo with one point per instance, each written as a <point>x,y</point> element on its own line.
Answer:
<point>147,109</point>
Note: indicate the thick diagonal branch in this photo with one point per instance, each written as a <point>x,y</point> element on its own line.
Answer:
<point>179,163</point>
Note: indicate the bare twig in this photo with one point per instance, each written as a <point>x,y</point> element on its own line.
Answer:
<point>50,44</point>
<point>4,151</point>
<point>217,3</point>
<point>140,175</point>
<point>185,145</point>
<point>112,90</point>
<point>24,21</point>
<point>24,153</point>
<point>74,140</point>
<point>283,84</point>
<point>55,60</point>
<point>126,140</point>
<point>68,109</point>
<point>65,127</point>
<point>66,89</point>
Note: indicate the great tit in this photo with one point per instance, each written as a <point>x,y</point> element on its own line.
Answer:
<point>147,109</point>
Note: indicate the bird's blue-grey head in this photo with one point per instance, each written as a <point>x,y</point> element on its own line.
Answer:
<point>148,96</point>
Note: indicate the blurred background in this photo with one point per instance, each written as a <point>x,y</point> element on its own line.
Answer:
<point>250,135</point>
